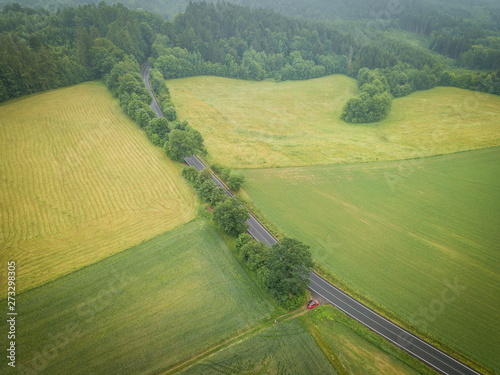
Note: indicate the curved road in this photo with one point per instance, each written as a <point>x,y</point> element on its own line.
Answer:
<point>420,349</point>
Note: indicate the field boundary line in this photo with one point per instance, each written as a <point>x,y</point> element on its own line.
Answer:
<point>367,162</point>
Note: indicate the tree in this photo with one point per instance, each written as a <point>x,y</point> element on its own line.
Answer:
<point>289,265</point>
<point>190,173</point>
<point>169,112</point>
<point>203,176</point>
<point>104,55</point>
<point>255,254</point>
<point>159,125</point>
<point>231,218</point>
<point>142,117</point>
<point>235,181</point>
<point>242,239</point>
<point>180,144</point>
<point>206,190</point>
<point>218,196</point>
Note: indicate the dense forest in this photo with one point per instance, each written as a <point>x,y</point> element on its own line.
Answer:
<point>390,56</point>
<point>483,13</point>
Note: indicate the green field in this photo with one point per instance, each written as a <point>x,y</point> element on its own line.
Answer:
<point>156,307</point>
<point>79,182</point>
<point>359,350</point>
<point>142,310</point>
<point>249,124</point>
<point>283,349</point>
<point>344,347</point>
<point>418,237</point>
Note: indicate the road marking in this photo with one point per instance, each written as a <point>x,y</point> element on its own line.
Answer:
<point>388,321</point>
<point>384,336</point>
<point>260,228</point>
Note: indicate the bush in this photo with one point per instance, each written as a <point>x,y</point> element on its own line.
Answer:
<point>242,240</point>
<point>235,181</point>
<point>225,173</point>
<point>203,176</point>
<point>190,173</point>
<point>255,254</point>
<point>217,168</point>
<point>170,113</point>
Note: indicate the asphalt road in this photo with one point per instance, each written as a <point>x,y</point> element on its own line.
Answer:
<point>255,228</point>
<point>145,78</point>
<point>420,349</point>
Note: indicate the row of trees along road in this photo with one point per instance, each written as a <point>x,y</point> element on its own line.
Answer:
<point>283,269</point>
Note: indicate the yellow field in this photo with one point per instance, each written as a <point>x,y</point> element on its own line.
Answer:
<point>250,124</point>
<point>79,182</point>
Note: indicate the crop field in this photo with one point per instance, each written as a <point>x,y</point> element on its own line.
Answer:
<point>249,124</point>
<point>289,348</point>
<point>79,182</point>
<point>359,350</point>
<point>141,310</point>
<point>283,349</point>
<point>417,237</point>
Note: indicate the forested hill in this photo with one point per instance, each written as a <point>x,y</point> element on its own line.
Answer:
<point>483,13</point>
<point>41,50</point>
<point>390,57</point>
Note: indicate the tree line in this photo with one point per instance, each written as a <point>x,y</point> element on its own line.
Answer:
<point>282,269</point>
<point>232,41</point>
<point>41,50</point>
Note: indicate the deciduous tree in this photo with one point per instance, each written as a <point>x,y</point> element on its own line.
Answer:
<point>231,218</point>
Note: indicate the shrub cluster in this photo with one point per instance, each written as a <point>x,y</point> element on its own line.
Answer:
<point>229,216</point>
<point>373,104</point>
<point>233,180</point>
<point>283,268</point>
<point>379,86</point>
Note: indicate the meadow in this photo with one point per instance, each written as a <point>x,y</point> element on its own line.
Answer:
<point>142,310</point>
<point>324,341</point>
<point>249,124</point>
<point>359,350</point>
<point>79,182</point>
<point>418,238</point>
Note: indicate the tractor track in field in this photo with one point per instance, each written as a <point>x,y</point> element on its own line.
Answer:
<point>230,341</point>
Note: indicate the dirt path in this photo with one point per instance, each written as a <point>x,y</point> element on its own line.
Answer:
<point>230,341</point>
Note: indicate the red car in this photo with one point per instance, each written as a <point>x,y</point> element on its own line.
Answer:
<point>312,304</point>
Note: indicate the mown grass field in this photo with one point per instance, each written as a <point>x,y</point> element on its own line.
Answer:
<point>79,182</point>
<point>141,310</point>
<point>417,237</point>
<point>297,123</point>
